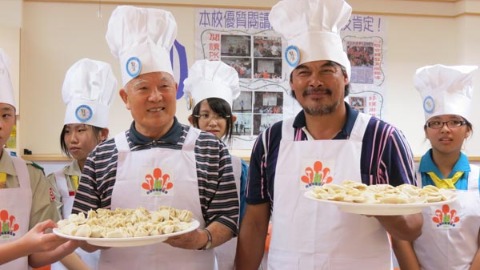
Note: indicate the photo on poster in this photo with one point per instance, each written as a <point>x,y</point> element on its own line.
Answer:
<point>235,45</point>
<point>243,103</point>
<point>361,56</point>
<point>268,68</point>
<point>243,125</point>
<point>358,103</point>
<point>242,65</point>
<point>264,121</point>
<point>267,46</point>
<point>268,102</point>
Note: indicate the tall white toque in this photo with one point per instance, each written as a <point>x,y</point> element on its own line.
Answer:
<point>445,89</point>
<point>211,79</point>
<point>6,87</point>
<point>312,30</point>
<point>141,38</point>
<point>88,92</point>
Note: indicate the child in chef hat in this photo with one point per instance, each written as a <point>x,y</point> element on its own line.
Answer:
<point>26,198</point>
<point>87,91</point>
<point>210,89</point>
<point>446,93</point>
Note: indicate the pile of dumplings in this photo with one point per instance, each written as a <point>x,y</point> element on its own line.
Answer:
<point>356,192</point>
<point>123,223</point>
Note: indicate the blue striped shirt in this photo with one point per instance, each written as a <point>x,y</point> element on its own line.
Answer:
<point>386,157</point>
<point>216,183</point>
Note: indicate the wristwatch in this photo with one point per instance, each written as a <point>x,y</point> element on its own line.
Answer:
<point>209,240</point>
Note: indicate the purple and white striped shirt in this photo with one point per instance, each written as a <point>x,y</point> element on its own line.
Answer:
<point>386,157</point>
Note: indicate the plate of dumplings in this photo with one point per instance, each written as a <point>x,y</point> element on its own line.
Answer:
<point>381,199</point>
<point>126,227</point>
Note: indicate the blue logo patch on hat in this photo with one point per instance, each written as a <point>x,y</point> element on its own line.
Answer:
<point>134,66</point>
<point>83,113</point>
<point>428,104</point>
<point>292,55</point>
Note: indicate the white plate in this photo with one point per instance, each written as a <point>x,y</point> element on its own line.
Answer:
<point>382,209</point>
<point>130,241</point>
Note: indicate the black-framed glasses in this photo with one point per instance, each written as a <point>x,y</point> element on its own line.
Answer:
<point>211,116</point>
<point>450,124</point>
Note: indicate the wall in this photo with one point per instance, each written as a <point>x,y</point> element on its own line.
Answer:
<point>57,33</point>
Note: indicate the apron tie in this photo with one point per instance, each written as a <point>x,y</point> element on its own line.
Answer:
<point>447,183</point>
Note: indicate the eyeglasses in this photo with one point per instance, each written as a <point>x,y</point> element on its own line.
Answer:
<point>449,123</point>
<point>213,116</point>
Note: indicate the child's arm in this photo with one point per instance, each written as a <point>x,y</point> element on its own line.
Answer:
<point>35,240</point>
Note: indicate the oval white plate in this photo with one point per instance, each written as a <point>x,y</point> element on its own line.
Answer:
<point>380,209</point>
<point>128,241</point>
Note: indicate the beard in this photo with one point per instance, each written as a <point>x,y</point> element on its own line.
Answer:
<point>320,109</point>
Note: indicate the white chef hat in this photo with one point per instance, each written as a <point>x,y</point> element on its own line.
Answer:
<point>88,91</point>
<point>141,38</point>
<point>209,79</point>
<point>445,89</point>
<point>312,30</point>
<point>6,87</point>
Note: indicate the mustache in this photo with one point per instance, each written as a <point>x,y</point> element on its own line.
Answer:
<point>317,90</point>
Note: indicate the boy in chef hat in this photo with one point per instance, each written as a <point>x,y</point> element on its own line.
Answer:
<point>88,92</point>
<point>210,89</point>
<point>280,172</point>
<point>26,198</point>
<point>446,93</point>
<point>185,161</point>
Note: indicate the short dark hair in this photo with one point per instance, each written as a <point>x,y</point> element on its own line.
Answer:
<point>344,72</point>
<point>220,107</point>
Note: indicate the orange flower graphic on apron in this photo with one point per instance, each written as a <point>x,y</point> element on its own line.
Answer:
<point>158,182</point>
<point>316,175</point>
<point>446,217</point>
<point>7,224</point>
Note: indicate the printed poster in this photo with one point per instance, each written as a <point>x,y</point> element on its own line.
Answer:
<point>245,40</point>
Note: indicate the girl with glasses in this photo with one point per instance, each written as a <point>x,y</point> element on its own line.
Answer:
<point>210,90</point>
<point>450,236</point>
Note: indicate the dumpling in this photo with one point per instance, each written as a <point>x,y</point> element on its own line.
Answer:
<point>83,231</point>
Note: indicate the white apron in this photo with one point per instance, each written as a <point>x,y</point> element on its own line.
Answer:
<point>91,259</point>
<point>449,237</point>
<point>15,207</point>
<point>311,235</point>
<point>225,253</point>
<point>180,190</point>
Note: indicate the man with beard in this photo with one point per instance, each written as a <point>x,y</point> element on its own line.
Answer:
<point>334,143</point>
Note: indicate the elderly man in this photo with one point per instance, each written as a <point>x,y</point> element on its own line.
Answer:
<point>338,142</point>
<point>195,166</point>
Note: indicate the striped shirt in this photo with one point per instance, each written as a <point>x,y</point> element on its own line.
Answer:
<point>386,157</point>
<point>216,183</point>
